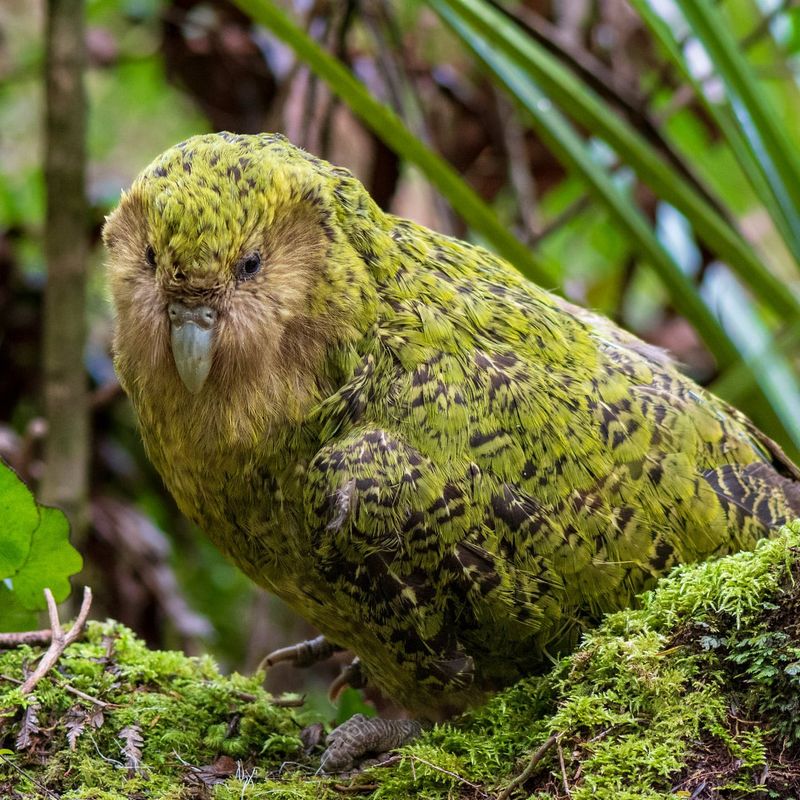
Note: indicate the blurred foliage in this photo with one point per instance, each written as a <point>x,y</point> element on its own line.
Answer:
<point>640,158</point>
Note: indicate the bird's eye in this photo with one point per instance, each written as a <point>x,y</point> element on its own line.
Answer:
<point>248,266</point>
<point>150,256</point>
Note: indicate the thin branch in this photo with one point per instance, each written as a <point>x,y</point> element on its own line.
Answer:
<point>563,770</point>
<point>392,62</point>
<point>67,688</point>
<point>573,210</point>
<point>29,777</point>
<point>59,640</point>
<point>65,479</point>
<point>104,394</point>
<point>444,771</point>
<point>762,27</point>
<point>8,641</point>
<point>521,178</point>
<point>289,702</point>
<point>537,756</point>
<point>629,102</point>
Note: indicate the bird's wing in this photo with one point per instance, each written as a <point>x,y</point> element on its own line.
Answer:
<point>382,518</point>
<point>596,462</point>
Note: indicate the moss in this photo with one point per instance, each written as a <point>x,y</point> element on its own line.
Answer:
<point>183,709</point>
<point>695,694</point>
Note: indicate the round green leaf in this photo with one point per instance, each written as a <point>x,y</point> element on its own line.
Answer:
<point>18,519</point>
<point>52,559</point>
<point>13,617</point>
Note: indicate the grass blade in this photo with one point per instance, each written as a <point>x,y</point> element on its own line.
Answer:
<point>564,142</point>
<point>771,150</point>
<point>569,148</point>
<point>723,116</point>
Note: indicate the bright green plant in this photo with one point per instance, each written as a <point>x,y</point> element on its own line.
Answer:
<point>35,553</point>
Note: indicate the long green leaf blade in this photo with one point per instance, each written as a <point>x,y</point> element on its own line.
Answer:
<point>772,150</point>
<point>745,155</point>
<point>573,153</point>
<point>759,352</point>
<point>391,129</point>
<point>587,109</point>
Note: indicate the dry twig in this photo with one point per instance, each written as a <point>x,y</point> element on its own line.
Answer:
<point>8,641</point>
<point>66,687</point>
<point>59,640</point>
<point>29,776</point>
<point>414,757</point>
<point>563,770</point>
<point>537,756</point>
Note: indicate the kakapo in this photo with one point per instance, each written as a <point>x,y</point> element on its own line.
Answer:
<point>446,469</point>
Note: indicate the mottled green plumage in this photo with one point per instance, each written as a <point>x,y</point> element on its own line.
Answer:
<point>443,467</point>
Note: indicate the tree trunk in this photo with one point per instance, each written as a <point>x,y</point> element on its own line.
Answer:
<point>65,479</point>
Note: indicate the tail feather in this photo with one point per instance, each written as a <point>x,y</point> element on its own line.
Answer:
<point>757,490</point>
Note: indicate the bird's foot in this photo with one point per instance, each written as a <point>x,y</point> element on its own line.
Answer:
<point>351,675</point>
<point>361,736</point>
<point>303,654</point>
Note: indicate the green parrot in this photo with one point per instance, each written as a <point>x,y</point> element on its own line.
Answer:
<point>446,469</point>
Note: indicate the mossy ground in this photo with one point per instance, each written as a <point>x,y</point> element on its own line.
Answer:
<point>695,695</point>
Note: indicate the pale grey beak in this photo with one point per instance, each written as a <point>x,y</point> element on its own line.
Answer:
<point>192,336</point>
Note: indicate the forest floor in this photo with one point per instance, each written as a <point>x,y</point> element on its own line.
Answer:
<point>696,695</point>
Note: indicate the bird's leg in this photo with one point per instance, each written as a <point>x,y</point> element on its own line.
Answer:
<point>303,654</point>
<point>352,675</point>
<point>360,736</point>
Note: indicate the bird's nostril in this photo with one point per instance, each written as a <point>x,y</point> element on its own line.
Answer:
<point>180,314</point>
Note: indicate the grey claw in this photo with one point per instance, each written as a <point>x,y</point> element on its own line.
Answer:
<point>351,675</point>
<point>302,654</point>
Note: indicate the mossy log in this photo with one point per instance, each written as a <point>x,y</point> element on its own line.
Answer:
<point>696,694</point>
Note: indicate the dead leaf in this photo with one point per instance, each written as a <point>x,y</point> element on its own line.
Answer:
<point>131,735</point>
<point>75,722</point>
<point>29,727</point>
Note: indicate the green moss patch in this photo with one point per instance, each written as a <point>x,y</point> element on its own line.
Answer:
<point>695,695</point>
<point>169,726</point>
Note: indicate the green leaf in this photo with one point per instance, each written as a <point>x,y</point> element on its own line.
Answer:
<point>18,517</point>
<point>13,617</point>
<point>391,130</point>
<point>352,702</point>
<point>37,552</point>
<point>52,559</point>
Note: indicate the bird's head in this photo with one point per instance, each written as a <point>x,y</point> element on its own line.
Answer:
<point>235,262</point>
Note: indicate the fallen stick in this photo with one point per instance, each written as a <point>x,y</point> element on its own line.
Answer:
<point>59,640</point>
<point>529,770</point>
<point>11,640</point>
